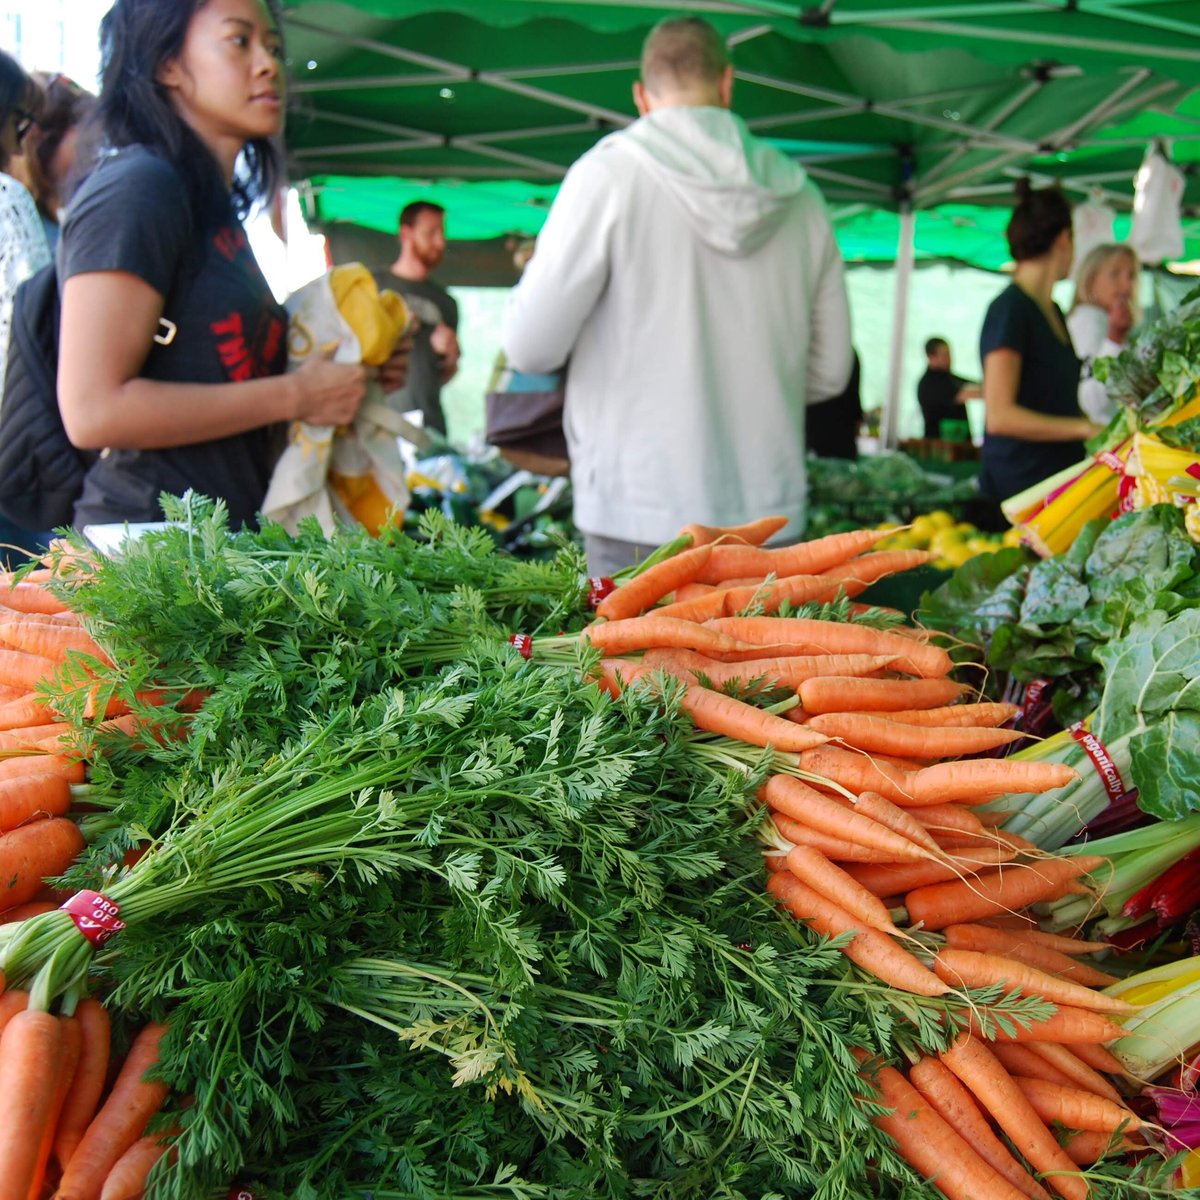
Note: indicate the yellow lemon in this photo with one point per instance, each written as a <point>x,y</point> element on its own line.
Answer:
<point>941,518</point>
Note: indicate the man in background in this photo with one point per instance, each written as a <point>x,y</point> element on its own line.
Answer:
<point>940,393</point>
<point>435,353</point>
<point>689,273</point>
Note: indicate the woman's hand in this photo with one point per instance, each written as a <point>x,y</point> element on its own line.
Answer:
<point>394,373</point>
<point>328,393</point>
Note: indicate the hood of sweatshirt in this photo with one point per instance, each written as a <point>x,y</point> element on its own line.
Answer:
<point>733,187</point>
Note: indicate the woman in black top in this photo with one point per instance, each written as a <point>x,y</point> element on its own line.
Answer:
<point>172,347</point>
<point>1030,370</point>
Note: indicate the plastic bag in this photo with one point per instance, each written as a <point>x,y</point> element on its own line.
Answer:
<point>1092,225</point>
<point>354,474</point>
<point>1157,230</point>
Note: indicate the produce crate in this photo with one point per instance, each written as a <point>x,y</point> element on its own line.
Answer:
<point>939,450</point>
<point>904,591</point>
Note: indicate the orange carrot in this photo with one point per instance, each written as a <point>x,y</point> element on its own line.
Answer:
<point>1081,1027</point>
<point>770,595</point>
<point>805,636</point>
<point>29,709</point>
<point>653,584</point>
<point>1007,890</point>
<point>956,1106</point>
<point>857,773</point>
<point>836,849</point>
<point>31,1053</point>
<point>715,712</point>
<point>26,797</point>
<point>875,952</point>
<point>646,632</point>
<point>38,737</point>
<point>83,1095</point>
<point>72,770</point>
<point>805,804</point>
<point>999,1095</point>
<point>127,1179</point>
<point>22,912</point>
<point>1074,1069</point>
<point>983,779</point>
<point>12,1003</point>
<point>26,671</point>
<point>731,561</point>
<point>697,608</point>
<point>857,574</point>
<point>872,733</point>
<point>944,818</point>
<point>823,695</point>
<point>1085,1146</point>
<point>895,818</point>
<point>1063,943</point>
<point>753,533</point>
<point>30,597</point>
<point>932,1147</point>
<point>1019,1058</point>
<point>122,1119</point>
<point>1097,1057</point>
<point>689,591</point>
<point>69,1061</point>
<point>986,715</point>
<point>896,879</point>
<point>829,880</point>
<point>970,968</point>
<point>50,639</point>
<point>32,853</point>
<point>779,672</point>
<point>1074,1108</point>
<point>1014,946</point>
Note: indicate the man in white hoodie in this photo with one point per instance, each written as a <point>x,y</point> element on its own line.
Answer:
<point>689,273</point>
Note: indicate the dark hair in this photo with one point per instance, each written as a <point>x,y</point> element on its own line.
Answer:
<point>17,91</point>
<point>137,37</point>
<point>934,344</point>
<point>682,51</point>
<point>1039,217</point>
<point>65,105</point>
<point>410,212</point>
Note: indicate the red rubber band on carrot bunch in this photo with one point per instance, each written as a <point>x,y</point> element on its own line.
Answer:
<point>94,915</point>
<point>599,586</point>
<point>523,643</point>
<point>1110,774</point>
<point>240,1193</point>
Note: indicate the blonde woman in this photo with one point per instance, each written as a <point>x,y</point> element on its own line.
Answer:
<point>1103,312</point>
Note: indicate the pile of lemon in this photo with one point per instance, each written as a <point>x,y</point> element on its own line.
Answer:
<point>953,542</point>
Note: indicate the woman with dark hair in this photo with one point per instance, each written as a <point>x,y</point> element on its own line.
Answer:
<point>23,248</point>
<point>172,347</point>
<point>50,145</point>
<point>1030,370</point>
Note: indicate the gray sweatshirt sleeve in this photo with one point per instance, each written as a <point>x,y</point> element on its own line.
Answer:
<point>830,356</point>
<point>566,276</point>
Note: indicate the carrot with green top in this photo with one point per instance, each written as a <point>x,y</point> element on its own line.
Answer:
<point>121,1120</point>
<point>827,879</point>
<point>731,561</point>
<point>1076,1109</point>
<point>1080,1028</point>
<point>29,710</point>
<point>1075,1071</point>
<point>22,670</point>
<point>753,533</point>
<point>984,779</point>
<point>837,849</point>
<point>1019,1059</point>
<point>51,639</point>
<point>985,714</point>
<point>28,797</point>
<point>778,672</point>
<point>1013,945</point>
<point>30,597</point>
<point>880,735</point>
<point>34,853</point>
<point>714,712</point>
<point>647,632</point>
<point>824,695</point>
<point>31,1053</point>
<point>1010,889</point>
<point>999,1095</point>
<point>87,1085</point>
<point>875,952</point>
<point>23,765</point>
<point>898,878</point>
<point>127,1179</point>
<point>653,584</point>
<point>858,773</point>
<point>35,737</point>
<point>972,969</point>
<point>857,574</point>
<point>956,1106</point>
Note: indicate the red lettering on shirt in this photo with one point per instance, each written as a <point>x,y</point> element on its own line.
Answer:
<point>230,241</point>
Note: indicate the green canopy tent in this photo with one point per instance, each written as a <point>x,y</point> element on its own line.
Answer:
<point>922,110</point>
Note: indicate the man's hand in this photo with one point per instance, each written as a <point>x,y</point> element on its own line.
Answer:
<point>444,341</point>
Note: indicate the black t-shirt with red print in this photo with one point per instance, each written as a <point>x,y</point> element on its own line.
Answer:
<point>133,214</point>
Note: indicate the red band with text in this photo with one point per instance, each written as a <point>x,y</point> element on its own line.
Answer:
<point>523,643</point>
<point>1111,461</point>
<point>1101,760</point>
<point>599,586</point>
<point>240,1194</point>
<point>94,916</point>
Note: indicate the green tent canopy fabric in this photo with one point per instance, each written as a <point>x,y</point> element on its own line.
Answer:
<point>938,105</point>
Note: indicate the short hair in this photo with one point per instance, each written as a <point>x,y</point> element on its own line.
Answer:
<point>17,91</point>
<point>931,346</point>
<point>1089,268</point>
<point>1039,217</point>
<point>410,212</point>
<point>680,52</point>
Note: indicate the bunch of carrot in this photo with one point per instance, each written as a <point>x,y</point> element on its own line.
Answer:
<point>874,837</point>
<point>67,1127</point>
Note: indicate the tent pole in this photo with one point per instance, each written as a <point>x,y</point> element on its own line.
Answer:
<point>889,430</point>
